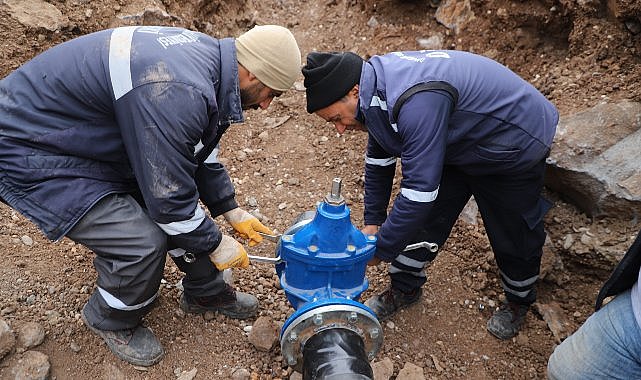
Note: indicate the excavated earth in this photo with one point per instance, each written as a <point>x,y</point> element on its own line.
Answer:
<point>282,160</point>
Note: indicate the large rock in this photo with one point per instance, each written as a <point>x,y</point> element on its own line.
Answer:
<point>30,335</point>
<point>264,334</point>
<point>411,372</point>
<point>33,365</point>
<point>596,161</point>
<point>37,14</point>
<point>7,339</point>
<point>383,370</point>
<point>454,14</point>
<point>144,12</point>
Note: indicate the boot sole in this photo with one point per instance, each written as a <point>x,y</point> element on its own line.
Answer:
<point>128,359</point>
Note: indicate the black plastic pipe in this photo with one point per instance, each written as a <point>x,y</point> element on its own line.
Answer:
<point>336,354</point>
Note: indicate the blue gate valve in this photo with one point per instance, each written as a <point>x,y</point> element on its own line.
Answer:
<point>321,262</point>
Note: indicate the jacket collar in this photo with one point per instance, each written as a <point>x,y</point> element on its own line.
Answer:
<point>228,94</point>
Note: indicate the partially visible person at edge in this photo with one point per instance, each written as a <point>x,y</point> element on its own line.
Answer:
<point>462,125</point>
<point>111,140</point>
<point>608,344</point>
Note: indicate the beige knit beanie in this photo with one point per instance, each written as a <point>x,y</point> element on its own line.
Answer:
<point>271,53</point>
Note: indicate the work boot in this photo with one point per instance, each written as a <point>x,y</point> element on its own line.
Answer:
<point>392,300</point>
<point>507,320</point>
<point>138,345</point>
<point>228,302</point>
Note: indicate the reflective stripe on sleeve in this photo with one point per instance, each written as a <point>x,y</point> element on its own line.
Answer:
<point>120,60</point>
<point>419,196</point>
<point>198,147</point>
<point>176,252</point>
<point>185,226</point>
<point>378,102</point>
<point>380,161</point>
<point>213,156</point>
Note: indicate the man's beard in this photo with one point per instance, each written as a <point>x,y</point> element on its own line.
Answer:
<point>249,96</point>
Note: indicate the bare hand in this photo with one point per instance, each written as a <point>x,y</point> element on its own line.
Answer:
<point>370,229</point>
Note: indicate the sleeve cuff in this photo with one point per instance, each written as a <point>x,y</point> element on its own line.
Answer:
<point>222,207</point>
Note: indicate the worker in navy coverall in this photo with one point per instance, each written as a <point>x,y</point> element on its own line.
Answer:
<point>462,125</point>
<point>111,140</point>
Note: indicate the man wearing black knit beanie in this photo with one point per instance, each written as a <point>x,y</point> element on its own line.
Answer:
<point>462,125</point>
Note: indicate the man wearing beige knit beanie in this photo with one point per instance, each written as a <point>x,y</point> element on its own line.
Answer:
<point>132,117</point>
<point>269,62</point>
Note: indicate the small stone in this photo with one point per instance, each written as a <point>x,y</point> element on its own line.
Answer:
<point>259,216</point>
<point>26,240</point>
<point>31,299</point>
<point>188,375</point>
<point>241,374</point>
<point>75,347</point>
<point>431,43</point>
<point>299,86</point>
<point>568,241</point>
<point>111,372</point>
<point>586,239</point>
<point>437,363</point>
<point>634,26</point>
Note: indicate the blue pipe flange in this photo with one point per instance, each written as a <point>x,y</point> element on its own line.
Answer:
<point>333,313</point>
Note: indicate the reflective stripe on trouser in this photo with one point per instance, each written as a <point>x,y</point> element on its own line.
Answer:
<point>512,210</point>
<point>130,257</point>
<point>407,271</point>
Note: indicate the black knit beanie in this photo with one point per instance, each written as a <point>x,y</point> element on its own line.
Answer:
<point>329,77</point>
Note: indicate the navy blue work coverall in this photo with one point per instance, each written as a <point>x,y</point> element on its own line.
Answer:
<point>462,125</point>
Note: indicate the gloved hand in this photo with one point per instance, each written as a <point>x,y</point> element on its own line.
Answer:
<point>229,254</point>
<point>246,225</point>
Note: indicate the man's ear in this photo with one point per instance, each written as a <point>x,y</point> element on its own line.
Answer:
<point>354,91</point>
<point>251,76</point>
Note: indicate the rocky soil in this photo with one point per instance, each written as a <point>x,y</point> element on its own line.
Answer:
<point>578,53</point>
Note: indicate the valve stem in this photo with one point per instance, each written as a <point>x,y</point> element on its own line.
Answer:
<point>335,198</point>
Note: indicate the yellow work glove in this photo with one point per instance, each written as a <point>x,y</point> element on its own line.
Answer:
<point>229,254</point>
<point>246,225</point>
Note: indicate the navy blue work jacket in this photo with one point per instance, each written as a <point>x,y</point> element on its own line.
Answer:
<point>438,108</point>
<point>133,109</point>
